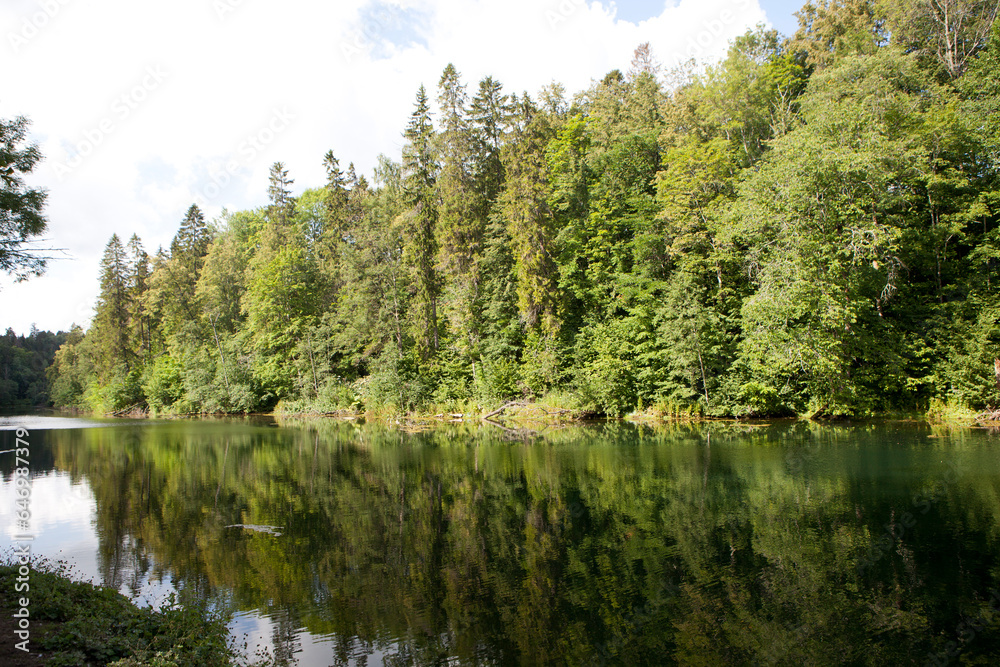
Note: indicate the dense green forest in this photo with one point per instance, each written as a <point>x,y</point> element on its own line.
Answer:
<point>23,364</point>
<point>809,226</point>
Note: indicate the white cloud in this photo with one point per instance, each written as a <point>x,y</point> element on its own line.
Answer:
<point>347,71</point>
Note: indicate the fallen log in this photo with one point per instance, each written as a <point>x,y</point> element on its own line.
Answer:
<point>504,407</point>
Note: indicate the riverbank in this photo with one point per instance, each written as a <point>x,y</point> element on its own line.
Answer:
<point>77,623</point>
<point>558,410</point>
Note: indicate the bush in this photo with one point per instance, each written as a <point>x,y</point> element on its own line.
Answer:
<point>97,625</point>
<point>498,380</point>
<point>163,383</point>
<point>395,382</point>
<point>605,375</point>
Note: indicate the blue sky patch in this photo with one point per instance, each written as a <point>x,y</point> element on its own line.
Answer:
<point>384,27</point>
<point>635,11</point>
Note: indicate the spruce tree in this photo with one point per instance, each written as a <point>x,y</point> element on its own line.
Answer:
<point>190,244</point>
<point>282,203</point>
<point>531,223</point>
<point>336,191</point>
<point>138,273</point>
<point>489,117</point>
<point>461,219</point>
<point>111,321</point>
<point>419,179</point>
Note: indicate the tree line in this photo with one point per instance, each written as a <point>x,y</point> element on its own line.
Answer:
<point>807,227</point>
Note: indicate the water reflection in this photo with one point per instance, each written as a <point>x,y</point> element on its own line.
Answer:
<point>621,544</point>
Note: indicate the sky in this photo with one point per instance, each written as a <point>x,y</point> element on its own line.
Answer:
<point>142,108</point>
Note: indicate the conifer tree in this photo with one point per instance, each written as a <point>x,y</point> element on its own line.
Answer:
<point>111,321</point>
<point>191,242</point>
<point>489,117</point>
<point>282,203</point>
<point>139,321</point>
<point>175,275</point>
<point>336,190</point>
<point>419,179</point>
<point>461,219</point>
<point>531,222</point>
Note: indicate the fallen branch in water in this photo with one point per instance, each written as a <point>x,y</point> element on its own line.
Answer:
<point>516,433</point>
<point>989,415</point>
<point>129,410</point>
<point>503,407</point>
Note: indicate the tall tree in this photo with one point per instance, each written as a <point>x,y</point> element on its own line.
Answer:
<point>336,193</point>
<point>643,62</point>
<point>489,118</point>
<point>171,294</point>
<point>829,29</point>
<point>21,217</point>
<point>461,222</point>
<point>111,321</point>
<point>531,222</point>
<point>419,181</point>
<point>190,243</point>
<point>280,195</point>
<point>945,33</point>
<point>139,320</point>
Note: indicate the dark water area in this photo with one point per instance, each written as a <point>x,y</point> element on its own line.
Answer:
<point>335,543</point>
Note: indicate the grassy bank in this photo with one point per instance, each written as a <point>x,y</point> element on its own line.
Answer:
<point>77,623</point>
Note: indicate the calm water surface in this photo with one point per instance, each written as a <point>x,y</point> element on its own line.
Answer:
<point>339,544</point>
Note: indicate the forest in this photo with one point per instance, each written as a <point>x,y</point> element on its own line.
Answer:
<point>808,227</point>
<point>23,364</point>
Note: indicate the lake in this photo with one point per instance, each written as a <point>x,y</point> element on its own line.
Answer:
<point>614,544</point>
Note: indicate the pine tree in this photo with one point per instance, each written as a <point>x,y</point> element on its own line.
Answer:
<point>139,321</point>
<point>419,178</point>
<point>460,225</point>
<point>461,219</point>
<point>490,116</point>
<point>111,320</point>
<point>175,275</point>
<point>192,239</point>
<point>531,223</point>
<point>282,203</point>
<point>336,189</point>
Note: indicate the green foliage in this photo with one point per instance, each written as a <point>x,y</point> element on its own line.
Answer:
<point>809,226</point>
<point>122,390</point>
<point>163,383</point>
<point>395,382</point>
<point>21,216</point>
<point>966,376</point>
<point>24,363</point>
<point>498,380</point>
<point>605,375</point>
<point>97,625</point>
<point>541,364</point>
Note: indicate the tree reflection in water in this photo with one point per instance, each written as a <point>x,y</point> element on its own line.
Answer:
<point>613,544</point>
